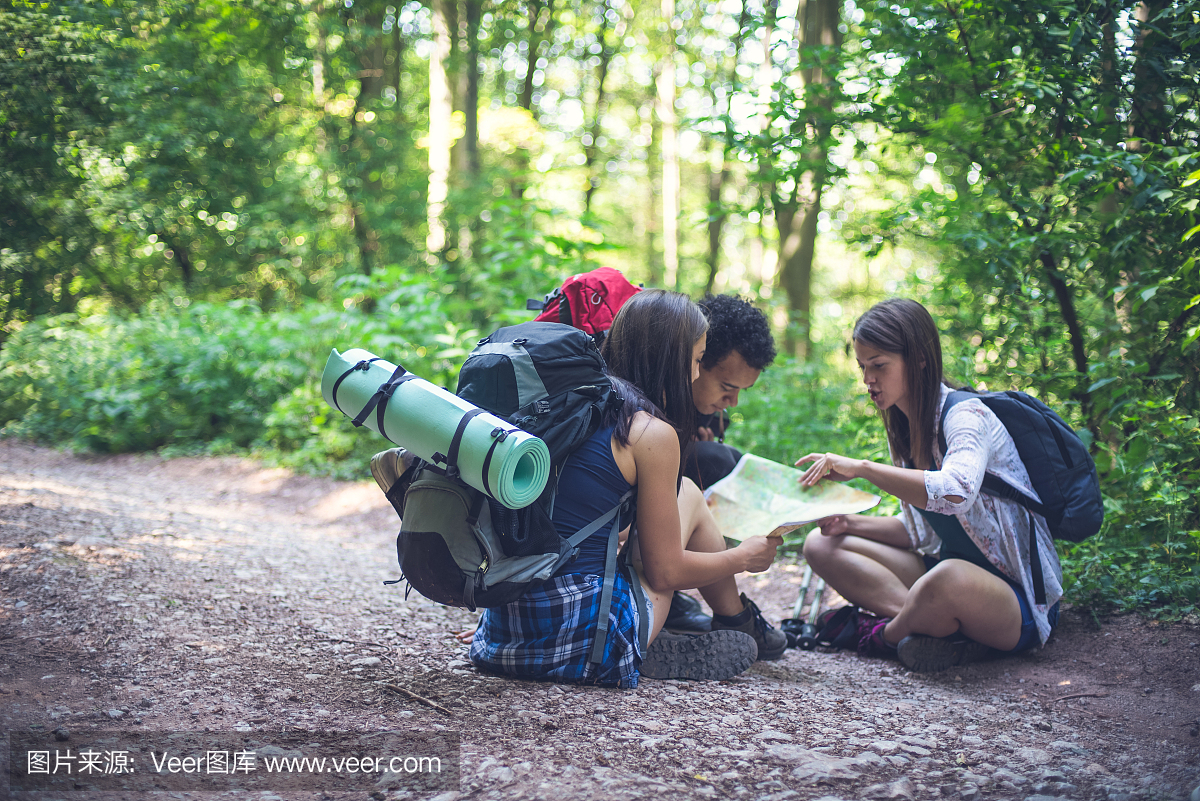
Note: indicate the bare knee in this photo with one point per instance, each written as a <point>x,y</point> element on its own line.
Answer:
<point>943,586</point>
<point>819,549</point>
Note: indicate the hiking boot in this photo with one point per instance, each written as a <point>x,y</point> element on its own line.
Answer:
<point>686,616</point>
<point>870,637</point>
<point>388,466</point>
<point>771,641</point>
<point>924,654</point>
<point>712,655</point>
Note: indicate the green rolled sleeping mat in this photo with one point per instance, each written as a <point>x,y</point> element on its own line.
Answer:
<point>492,455</point>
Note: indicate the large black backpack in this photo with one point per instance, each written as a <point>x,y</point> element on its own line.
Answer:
<point>1060,469</point>
<point>461,548</point>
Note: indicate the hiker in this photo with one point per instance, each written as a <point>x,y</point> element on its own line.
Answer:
<point>950,577</point>
<point>739,348</point>
<point>653,353</point>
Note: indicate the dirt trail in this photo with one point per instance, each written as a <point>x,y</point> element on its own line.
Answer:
<point>209,594</point>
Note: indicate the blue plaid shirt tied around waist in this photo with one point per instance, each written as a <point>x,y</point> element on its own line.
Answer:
<point>547,634</point>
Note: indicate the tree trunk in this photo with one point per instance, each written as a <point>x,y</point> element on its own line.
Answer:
<point>670,153</point>
<point>1149,121</point>
<point>1066,307</point>
<point>441,111</point>
<point>396,63</point>
<point>540,16</point>
<point>371,57</point>
<point>471,165</point>
<point>654,261</point>
<point>796,251</point>
<point>590,147</point>
<point>467,148</point>
<point>719,172</point>
<point>766,66</point>
<point>318,65</point>
<point>541,24</point>
<point>183,259</point>
<point>796,220</point>
<point>66,301</point>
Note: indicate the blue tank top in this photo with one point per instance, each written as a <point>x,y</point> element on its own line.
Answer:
<point>590,484</point>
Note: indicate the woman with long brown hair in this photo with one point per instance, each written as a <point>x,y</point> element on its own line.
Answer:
<point>653,354</point>
<point>950,578</point>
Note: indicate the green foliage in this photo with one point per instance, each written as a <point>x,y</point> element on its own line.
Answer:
<point>1159,579</point>
<point>797,408</point>
<point>109,384</point>
<point>1060,148</point>
<point>51,110</point>
<point>213,376</point>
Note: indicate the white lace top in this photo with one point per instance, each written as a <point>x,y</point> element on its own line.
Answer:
<point>977,442</point>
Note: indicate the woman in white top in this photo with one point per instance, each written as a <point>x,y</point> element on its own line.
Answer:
<point>951,576</point>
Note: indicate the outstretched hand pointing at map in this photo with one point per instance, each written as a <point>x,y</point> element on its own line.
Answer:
<point>826,465</point>
<point>763,497</point>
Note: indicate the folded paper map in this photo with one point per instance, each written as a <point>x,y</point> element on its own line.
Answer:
<point>761,497</point>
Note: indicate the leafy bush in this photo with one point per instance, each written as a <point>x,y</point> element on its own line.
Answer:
<point>171,376</point>
<point>213,377</point>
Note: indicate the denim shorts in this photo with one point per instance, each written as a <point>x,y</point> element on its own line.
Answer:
<point>1029,632</point>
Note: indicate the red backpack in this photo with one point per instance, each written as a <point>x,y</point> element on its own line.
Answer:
<point>588,301</point>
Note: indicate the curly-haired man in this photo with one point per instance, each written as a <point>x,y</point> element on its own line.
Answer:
<point>739,348</point>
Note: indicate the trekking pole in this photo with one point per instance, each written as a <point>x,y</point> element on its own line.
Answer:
<point>805,580</point>
<point>808,632</point>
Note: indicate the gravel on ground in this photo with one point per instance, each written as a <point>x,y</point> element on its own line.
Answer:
<point>218,595</point>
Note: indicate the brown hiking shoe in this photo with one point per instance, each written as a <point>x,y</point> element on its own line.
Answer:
<point>713,655</point>
<point>771,641</point>
<point>387,466</point>
<point>924,654</point>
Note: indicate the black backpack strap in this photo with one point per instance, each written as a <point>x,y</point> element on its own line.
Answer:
<point>591,528</point>
<point>994,485</point>
<point>610,571</point>
<point>362,365</point>
<point>639,595</point>
<point>450,458</point>
<point>381,397</point>
<point>498,435</point>
<point>469,592</point>
<point>1035,563</point>
<point>953,399</point>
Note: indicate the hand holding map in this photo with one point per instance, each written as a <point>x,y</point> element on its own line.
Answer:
<point>761,497</point>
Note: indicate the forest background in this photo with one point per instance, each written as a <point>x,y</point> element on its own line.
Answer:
<point>199,198</point>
